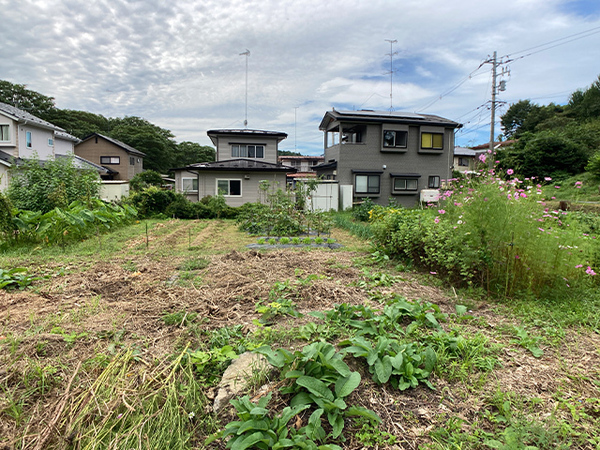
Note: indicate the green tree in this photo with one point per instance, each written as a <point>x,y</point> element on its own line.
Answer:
<point>585,104</point>
<point>37,186</point>
<point>546,153</point>
<point>190,152</point>
<point>524,116</point>
<point>145,179</point>
<point>79,123</point>
<point>157,143</point>
<point>288,153</point>
<point>20,97</point>
<point>593,165</point>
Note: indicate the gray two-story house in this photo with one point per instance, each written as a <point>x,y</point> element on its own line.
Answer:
<point>384,155</point>
<point>245,159</point>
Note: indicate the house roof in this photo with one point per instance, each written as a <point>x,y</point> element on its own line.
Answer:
<point>326,166</point>
<point>363,115</point>
<point>463,151</point>
<point>81,163</point>
<point>124,146</point>
<point>245,132</point>
<point>24,117</point>
<point>238,165</point>
<point>301,157</point>
<point>66,136</point>
<point>6,159</point>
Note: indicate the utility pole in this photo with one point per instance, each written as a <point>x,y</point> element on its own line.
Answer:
<point>391,54</point>
<point>247,54</point>
<point>492,139</point>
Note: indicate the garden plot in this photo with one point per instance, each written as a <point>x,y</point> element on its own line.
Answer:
<point>147,316</point>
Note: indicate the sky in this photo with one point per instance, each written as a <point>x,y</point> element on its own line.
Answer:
<point>178,63</point>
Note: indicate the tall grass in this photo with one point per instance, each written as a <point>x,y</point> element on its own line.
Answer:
<point>495,233</point>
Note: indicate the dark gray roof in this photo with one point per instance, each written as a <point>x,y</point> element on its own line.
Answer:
<point>66,136</point>
<point>239,164</point>
<point>124,146</point>
<point>247,132</point>
<point>24,116</point>
<point>6,158</point>
<point>387,117</point>
<point>326,166</point>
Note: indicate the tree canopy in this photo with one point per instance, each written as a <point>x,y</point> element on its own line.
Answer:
<point>162,152</point>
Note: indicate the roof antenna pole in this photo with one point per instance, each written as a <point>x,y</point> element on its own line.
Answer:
<point>391,54</point>
<point>247,54</point>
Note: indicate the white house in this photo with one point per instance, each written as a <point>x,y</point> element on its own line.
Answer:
<point>23,136</point>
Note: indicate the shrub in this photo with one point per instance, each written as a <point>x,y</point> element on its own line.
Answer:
<point>493,233</point>
<point>44,185</point>
<point>153,201</point>
<point>361,212</point>
<point>145,179</point>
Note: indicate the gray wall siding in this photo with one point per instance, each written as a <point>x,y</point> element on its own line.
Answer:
<point>224,147</point>
<point>207,184</point>
<point>369,156</point>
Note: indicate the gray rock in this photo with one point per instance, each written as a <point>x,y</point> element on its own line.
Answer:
<point>237,377</point>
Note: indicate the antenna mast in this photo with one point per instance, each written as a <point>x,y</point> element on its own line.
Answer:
<point>391,54</point>
<point>247,55</point>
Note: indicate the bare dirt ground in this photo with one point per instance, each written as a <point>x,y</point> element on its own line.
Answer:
<point>130,292</point>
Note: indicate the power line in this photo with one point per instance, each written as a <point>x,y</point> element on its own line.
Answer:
<point>566,39</point>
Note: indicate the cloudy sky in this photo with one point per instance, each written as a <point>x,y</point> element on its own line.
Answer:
<point>177,63</point>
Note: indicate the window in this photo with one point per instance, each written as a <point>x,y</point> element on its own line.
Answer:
<point>463,162</point>
<point>247,151</point>
<point>189,184</point>
<point>434,182</point>
<point>28,139</point>
<point>366,184</point>
<point>110,160</point>
<point>4,133</point>
<point>353,135</point>
<point>393,138</point>
<point>434,141</point>
<point>229,188</point>
<point>405,184</point>
<point>131,161</point>
<point>50,142</point>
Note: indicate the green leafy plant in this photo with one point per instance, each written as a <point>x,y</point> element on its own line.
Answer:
<point>257,429</point>
<point>179,318</point>
<point>17,277</point>
<point>296,240</point>
<point>279,303</point>
<point>319,377</point>
<point>272,241</point>
<point>284,240</point>
<point>525,340</point>
<point>261,241</point>
<point>403,365</point>
<point>210,363</point>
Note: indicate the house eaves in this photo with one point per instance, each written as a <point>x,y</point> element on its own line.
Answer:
<point>238,165</point>
<point>129,149</point>
<point>23,117</point>
<point>369,116</point>
<point>244,132</point>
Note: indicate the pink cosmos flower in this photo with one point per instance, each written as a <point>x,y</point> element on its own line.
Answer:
<point>482,158</point>
<point>436,220</point>
<point>579,266</point>
<point>510,172</point>
<point>441,211</point>
<point>590,271</point>
<point>547,178</point>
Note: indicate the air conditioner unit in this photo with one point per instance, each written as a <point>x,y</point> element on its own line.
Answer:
<point>430,195</point>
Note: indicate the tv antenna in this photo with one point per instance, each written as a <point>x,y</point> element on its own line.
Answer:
<point>247,55</point>
<point>391,72</point>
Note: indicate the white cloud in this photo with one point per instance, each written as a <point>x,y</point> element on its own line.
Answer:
<point>178,64</point>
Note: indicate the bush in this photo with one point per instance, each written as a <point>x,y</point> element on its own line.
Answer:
<point>361,212</point>
<point>145,179</point>
<point>154,201</point>
<point>7,226</point>
<point>496,234</point>
<point>593,165</point>
<point>43,186</point>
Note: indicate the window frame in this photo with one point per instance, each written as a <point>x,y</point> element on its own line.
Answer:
<point>132,161</point>
<point>406,184</point>
<point>229,180</point>
<point>28,140</point>
<point>433,182</point>
<point>194,179</point>
<point>432,134</point>
<point>395,143</point>
<point>50,142</point>
<point>111,162</point>
<point>463,161</point>
<point>5,126</point>
<point>243,150</point>
<point>368,176</point>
